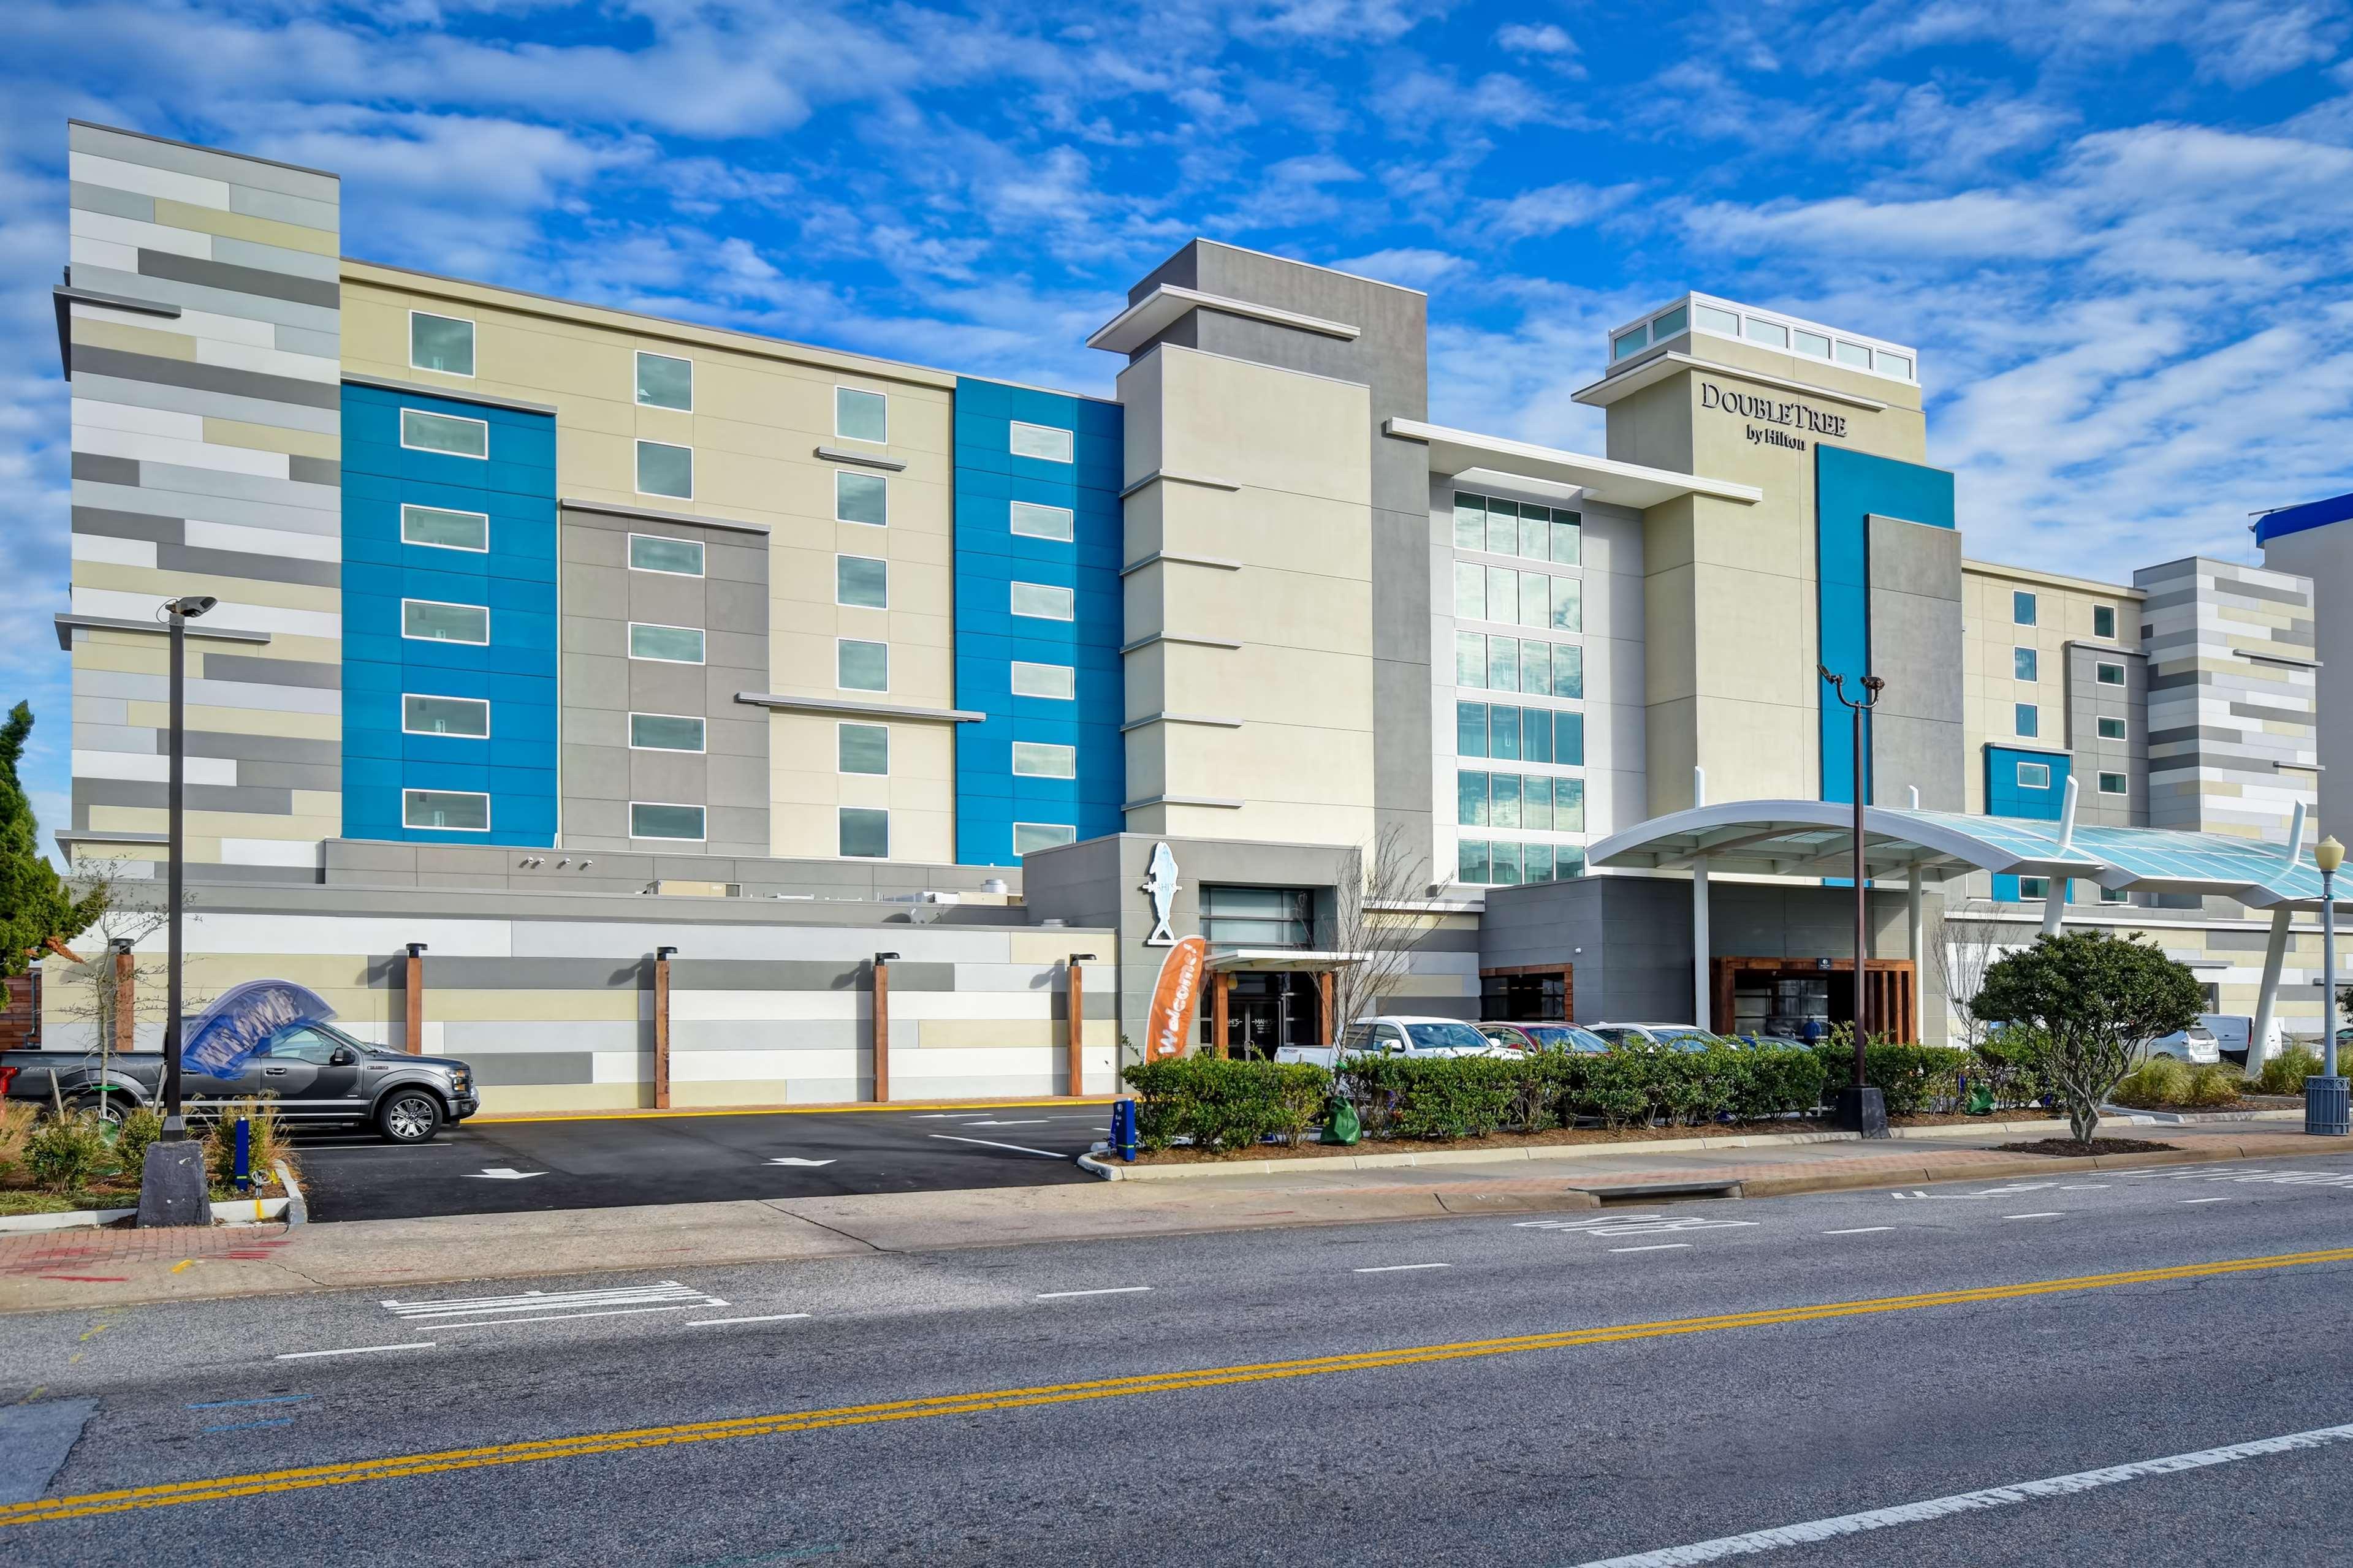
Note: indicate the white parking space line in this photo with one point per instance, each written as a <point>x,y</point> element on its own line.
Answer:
<point>572,1317</point>
<point>1107,1291</point>
<point>352,1350</point>
<point>1812,1531</point>
<point>1398,1267</point>
<point>771,1317</point>
<point>1860,1230</point>
<point>2085,1188</point>
<point>1017,1148</point>
<point>668,1292</point>
<point>1655,1247</point>
<point>2203,1200</point>
<point>2044,1214</point>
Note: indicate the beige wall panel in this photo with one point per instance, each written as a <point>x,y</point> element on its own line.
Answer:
<point>133,339</point>
<point>240,720</point>
<point>1259,426</point>
<point>272,438</point>
<point>525,1099</point>
<point>965,1032</point>
<point>165,584</point>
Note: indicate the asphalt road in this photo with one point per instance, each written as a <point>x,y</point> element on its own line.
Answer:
<point>1888,1351</point>
<point>503,1167</point>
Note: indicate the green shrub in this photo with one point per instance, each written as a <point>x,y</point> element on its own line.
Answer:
<point>2286,1073</point>
<point>1911,1080</point>
<point>269,1143</point>
<point>1216,1103</point>
<point>133,1134</point>
<point>2013,1062</point>
<point>68,1152</point>
<point>2216,1083</point>
<point>1778,1079</point>
<point>1442,1097</point>
<point>2155,1084</point>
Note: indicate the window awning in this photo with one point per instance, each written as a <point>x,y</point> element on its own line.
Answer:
<point>1815,838</point>
<point>1267,960</point>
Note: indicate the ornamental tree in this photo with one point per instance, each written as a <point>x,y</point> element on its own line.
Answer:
<point>2097,1000</point>
<point>36,906</point>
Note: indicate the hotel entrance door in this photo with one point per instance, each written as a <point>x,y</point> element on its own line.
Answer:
<point>1264,1010</point>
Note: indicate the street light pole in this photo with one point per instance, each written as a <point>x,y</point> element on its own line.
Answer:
<point>171,1188</point>
<point>2326,1099</point>
<point>1861,1108</point>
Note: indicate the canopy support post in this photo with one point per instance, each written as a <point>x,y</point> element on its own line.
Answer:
<point>2267,999</point>
<point>1912,911</point>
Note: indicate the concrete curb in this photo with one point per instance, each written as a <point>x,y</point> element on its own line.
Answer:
<point>298,1207</point>
<point>1122,1172</point>
<point>225,1211</point>
<point>2194,1118</point>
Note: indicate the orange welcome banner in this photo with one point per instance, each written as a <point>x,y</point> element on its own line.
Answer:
<point>1176,1000</point>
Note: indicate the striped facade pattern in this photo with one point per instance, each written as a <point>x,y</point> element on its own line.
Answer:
<point>2233,697</point>
<point>203,299</point>
<point>557,1015</point>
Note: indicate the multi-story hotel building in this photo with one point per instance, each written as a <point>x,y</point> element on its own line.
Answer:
<point>548,630</point>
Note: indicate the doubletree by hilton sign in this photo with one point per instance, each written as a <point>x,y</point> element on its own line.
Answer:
<point>1770,422</point>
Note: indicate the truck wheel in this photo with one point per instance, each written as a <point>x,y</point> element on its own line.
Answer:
<point>107,1107</point>
<point>410,1116</point>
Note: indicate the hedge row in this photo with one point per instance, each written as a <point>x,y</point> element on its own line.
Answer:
<point>1229,1104</point>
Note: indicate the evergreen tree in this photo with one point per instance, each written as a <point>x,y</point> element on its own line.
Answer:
<point>36,906</point>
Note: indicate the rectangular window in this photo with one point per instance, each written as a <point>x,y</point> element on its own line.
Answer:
<point>2113,783</point>
<point>2109,674</point>
<point>2115,896</point>
<point>1567,604</point>
<point>1505,865</point>
<point>1470,798</point>
<point>1567,670</point>
<point>1042,442</point>
<point>861,665</point>
<point>2021,608</point>
<point>861,582</point>
<point>2023,664</point>
<point>1056,682</point>
<point>1503,595</point>
<point>427,620</point>
<point>1894,365</point>
<point>1470,520</point>
<point>666,645</point>
<point>1503,733</point>
<point>1503,800</point>
<point>464,716</point>
<point>665,470</point>
<point>1568,539</point>
<point>439,530</point>
<point>1853,353</point>
<point>1536,667</point>
<point>451,811</point>
<point>1813,343</point>
<point>445,433</point>
<point>665,382</point>
<point>1539,862</point>
<point>1042,602</point>
<point>1472,863</point>
<point>1503,664</point>
<point>1503,527</point>
<point>1039,759</point>
<point>665,732</point>
<point>1535,531</point>
<point>1534,595</point>
<point>1669,324</point>
<point>2034,887</point>
<point>1470,658</point>
<point>1536,804</point>
<point>2104,620</point>
<point>1031,837</point>
<point>675,557</point>
<point>2035,775</point>
<point>1773,334</point>
<point>440,342</point>
<point>1568,809</point>
<point>657,819</point>
<point>2112,729</point>
<point>1536,737</point>
<point>2030,720</point>
<point>1631,342</point>
<point>1711,319</point>
<point>861,415</point>
<point>861,498</point>
<point>1470,729</point>
<point>865,833</point>
<point>862,747</point>
<point>1569,739</point>
<point>1470,592</point>
<point>1032,520</point>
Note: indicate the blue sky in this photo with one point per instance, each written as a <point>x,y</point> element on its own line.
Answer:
<point>2117,230</point>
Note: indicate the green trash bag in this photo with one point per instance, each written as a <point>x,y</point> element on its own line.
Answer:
<point>1341,1126</point>
<point>1980,1102</point>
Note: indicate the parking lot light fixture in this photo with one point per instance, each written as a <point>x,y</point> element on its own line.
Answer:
<point>171,1187</point>
<point>2325,1108</point>
<point>1862,1109</point>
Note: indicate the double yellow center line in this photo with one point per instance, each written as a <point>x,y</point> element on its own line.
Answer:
<point>393,1467</point>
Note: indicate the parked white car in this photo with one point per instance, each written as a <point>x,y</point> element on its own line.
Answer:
<point>1400,1035</point>
<point>2195,1045</point>
<point>1675,1036</point>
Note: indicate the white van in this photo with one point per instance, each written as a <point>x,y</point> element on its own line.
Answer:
<point>2232,1030</point>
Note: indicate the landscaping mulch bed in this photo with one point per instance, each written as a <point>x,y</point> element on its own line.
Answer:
<point>2068,1149</point>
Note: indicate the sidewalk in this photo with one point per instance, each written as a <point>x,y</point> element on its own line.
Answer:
<point>92,1270</point>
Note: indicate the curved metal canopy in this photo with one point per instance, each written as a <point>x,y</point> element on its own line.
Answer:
<point>1816,838</point>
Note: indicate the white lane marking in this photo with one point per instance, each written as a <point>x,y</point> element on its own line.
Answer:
<point>1859,1230</point>
<point>567,1317</point>
<point>2015,1187</point>
<point>2039,1214</point>
<point>771,1317</point>
<point>1655,1247</point>
<point>1108,1290</point>
<point>355,1350</point>
<point>2204,1200</point>
<point>797,1160</point>
<point>2085,1188</point>
<point>1035,1122</point>
<point>502,1173</point>
<point>1017,1148</point>
<point>664,1293</point>
<point>1816,1530</point>
<point>1640,1225</point>
<point>1398,1267</point>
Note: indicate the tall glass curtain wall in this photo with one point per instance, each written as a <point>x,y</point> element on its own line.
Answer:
<point>449,620</point>
<point>1037,620</point>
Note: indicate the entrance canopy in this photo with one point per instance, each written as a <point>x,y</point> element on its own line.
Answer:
<point>1270,960</point>
<point>1816,838</point>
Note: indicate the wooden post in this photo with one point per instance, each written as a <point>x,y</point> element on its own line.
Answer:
<point>882,1026</point>
<point>416,1000</point>
<point>1218,985</point>
<point>126,998</point>
<point>661,1027</point>
<point>1075,1027</point>
<point>1324,1033</point>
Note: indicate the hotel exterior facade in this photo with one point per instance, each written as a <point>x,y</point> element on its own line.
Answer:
<point>551,630</point>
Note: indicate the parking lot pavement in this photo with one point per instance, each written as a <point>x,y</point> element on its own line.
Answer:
<point>503,1167</point>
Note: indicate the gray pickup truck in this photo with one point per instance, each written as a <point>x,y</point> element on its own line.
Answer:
<point>316,1075</point>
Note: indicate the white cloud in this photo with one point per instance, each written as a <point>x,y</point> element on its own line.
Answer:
<point>1545,38</point>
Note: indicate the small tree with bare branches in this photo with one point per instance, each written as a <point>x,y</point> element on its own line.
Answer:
<point>1375,926</point>
<point>1967,942</point>
<point>86,994</point>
